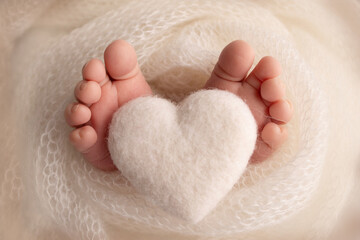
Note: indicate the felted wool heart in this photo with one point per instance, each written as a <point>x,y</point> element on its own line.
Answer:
<point>184,158</point>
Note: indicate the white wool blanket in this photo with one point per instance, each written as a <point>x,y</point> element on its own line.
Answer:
<point>306,190</point>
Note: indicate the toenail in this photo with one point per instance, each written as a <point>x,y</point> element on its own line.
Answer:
<point>85,65</point>
<point>75,136</point>
<point>281,129</point>
<point>80,134</point>
<point>82,86</point>
<point>289,104</point>
<point>74,108</point>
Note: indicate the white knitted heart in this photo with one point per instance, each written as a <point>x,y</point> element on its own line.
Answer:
<point>184,158</point>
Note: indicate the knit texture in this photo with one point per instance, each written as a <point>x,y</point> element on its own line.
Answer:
<point>176,58</point>
<point>48,191</point>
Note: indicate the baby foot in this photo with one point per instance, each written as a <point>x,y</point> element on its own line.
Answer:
<point>105,89</point>
<point>99,95</point>
<point>262,90</point>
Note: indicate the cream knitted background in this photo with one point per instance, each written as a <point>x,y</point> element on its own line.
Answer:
<point>304,192</point>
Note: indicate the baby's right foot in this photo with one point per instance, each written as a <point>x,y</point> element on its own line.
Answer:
<point>99,95</point>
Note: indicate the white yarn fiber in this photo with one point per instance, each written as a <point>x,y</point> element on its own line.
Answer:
<point>48,191</point>
<point>162,46</point>
<point>185,158</point>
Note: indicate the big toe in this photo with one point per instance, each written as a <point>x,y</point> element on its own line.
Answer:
<point>123,68</point>
<point>233,65</point>
<point>120,60</point>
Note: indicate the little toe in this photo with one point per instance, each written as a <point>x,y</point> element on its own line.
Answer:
<point>272,90</point>
<point>88,92</point>
<point>274,135</point>
<point>281,111</point>
<point>83,138</point>
<point>232,67</point>
<point>77,114</point>
<point>267,68</point>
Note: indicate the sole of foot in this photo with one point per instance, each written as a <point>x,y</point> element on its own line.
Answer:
<point>103,90</point>
<point>262,89</point>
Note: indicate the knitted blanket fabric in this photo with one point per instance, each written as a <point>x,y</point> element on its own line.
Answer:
<point>306,190</point>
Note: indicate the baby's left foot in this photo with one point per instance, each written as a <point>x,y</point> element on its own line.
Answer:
<point>262,90</point>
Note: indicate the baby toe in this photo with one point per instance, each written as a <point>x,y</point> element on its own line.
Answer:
<point>281,111</point>
<point>267,68</point>
<point>83,138</point>
<point>272,90</point>
<point>94,70</point>
<point>274,135</point>
<point>88,92</point>
<point>232,67</point>
<point>121,61</point>
<point>77,114</point>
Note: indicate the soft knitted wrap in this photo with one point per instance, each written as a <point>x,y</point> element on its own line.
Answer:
<point>48,191</point>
